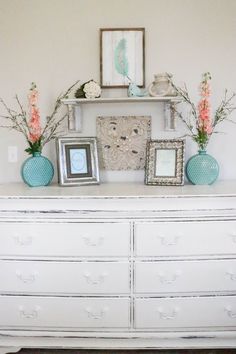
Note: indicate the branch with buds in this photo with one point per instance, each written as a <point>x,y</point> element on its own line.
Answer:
<point>35,135</point>
<point>200,123</point>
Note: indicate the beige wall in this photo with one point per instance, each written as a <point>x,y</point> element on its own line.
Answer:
<point>56,42</point>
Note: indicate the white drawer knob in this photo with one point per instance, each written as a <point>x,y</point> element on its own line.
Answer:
<point>165,279</point>
<point>33,314</point>
<point>231,275</point>
<point>26,278</point>
<point>168,241</point>
<point>23,240</point>
<point>95,280</point>
<point>229,312</point>
<point>92,242</point>
<point>96,316</point>
<point>232,235</point>
<point>168,316</point>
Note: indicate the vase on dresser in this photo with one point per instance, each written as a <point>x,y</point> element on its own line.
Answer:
<point>37,170</point>
<point>202,168</point>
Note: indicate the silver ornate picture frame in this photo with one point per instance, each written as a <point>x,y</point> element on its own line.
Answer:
<point>165,162</point>
<point>77,161</point>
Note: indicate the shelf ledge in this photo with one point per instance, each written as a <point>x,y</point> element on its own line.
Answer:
<point>75,101</point>
<point>75,112</point>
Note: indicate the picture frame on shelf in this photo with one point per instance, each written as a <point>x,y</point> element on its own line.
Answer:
<point>165,162</point>
<point>122,57</point>
<point>77,161</point>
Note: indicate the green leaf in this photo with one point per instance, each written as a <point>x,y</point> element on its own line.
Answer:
<point>34,147</point>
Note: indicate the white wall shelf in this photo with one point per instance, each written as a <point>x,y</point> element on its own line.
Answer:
<point>121,99</point>
<point>75,111</point>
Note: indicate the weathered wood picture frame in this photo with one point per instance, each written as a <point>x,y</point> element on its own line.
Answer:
<point>122,57</point>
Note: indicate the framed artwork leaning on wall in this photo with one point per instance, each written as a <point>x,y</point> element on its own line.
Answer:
<point>122,57</point>
<point>77,161</point>
<point>165,162</point>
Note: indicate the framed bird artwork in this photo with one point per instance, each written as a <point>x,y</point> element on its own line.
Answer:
<point>122,57</point>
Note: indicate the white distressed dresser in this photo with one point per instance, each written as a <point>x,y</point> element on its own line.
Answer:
<point>118,266</point>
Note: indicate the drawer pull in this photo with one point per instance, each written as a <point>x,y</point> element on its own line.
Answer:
<point>26,279</point>
<point>23,241</point>
<point>93,242</point>
<point>230,313</point>
<point>233,237</point>
<point>95,281</point>
<point>30,315</point>
<point>96,316</point>
<point>165,316</point>
<point>168,279</point>
<point>167,241</point>
<point>231,275</point>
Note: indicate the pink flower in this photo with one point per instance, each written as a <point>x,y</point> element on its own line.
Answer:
<point>208,129</point>
<point>204,117</point>
<point>33,137</point>
<point>33,97</point>
<point>205,89</point>
<point>34,122</point>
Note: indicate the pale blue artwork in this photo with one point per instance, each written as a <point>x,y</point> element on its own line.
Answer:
<point>122,67</point>
<point>78,160</point>
<point>165,163</point>
<point>120,58</point>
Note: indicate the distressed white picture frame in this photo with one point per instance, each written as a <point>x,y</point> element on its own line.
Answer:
<point>131,56</point>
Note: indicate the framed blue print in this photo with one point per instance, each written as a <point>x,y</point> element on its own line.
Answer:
<point>77,161</point>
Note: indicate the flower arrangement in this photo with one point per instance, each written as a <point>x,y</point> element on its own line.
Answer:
<point>89,89</point>
<point>201,123</point>
<point>35,134</point>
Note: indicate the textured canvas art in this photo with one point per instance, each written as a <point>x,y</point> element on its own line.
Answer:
<point>122,141</point>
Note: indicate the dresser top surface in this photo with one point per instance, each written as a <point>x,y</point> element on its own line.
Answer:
<point>116,190</point>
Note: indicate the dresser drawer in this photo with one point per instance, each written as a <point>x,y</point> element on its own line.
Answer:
<point>188,313</point>
<point>65,239</point>
<point>185,238</point>
<point>42,277</point>
<point>185,276</point>
<point>54,312</point>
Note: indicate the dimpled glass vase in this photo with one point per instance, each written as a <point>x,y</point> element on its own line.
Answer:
<point>37,170</point>
<point>202,168</point>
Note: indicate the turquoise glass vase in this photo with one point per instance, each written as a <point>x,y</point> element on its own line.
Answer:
<point>202,168</point>
<point>37,170</point>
